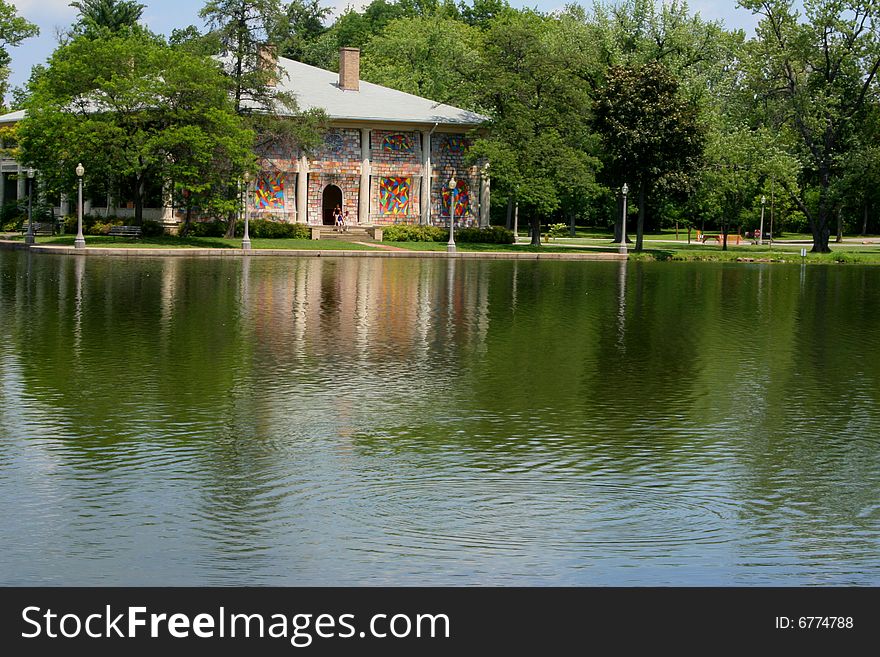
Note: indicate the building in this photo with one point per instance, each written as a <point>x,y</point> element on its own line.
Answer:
<point>386,158</point>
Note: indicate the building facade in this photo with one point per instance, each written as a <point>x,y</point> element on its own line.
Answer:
<point>386,158</point>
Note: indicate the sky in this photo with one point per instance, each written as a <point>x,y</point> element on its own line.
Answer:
<point>164,15</point>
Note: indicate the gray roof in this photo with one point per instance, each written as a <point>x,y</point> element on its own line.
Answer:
<point>316,88</point>
<point>12,117</point>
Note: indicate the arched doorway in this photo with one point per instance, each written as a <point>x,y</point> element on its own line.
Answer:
<point>331,198</point>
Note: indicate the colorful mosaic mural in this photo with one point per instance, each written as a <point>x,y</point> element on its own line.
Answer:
<point>269,194</point>
<point>334,141</point>
<point>398,143</point>
<point>454,144</point>
<point>394,195</point>
<point>462,200</point>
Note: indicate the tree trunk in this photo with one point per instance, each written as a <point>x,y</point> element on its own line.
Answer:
<point>536,229</point>
<point>509,212</point>
<point>233,216</point>
<point>819,224</point>
<point>640,228</point>
<point>184,230</point>
<point>571,226</point>
<point>724,232</point>
<point>839,226</point>
<point>865,221</point>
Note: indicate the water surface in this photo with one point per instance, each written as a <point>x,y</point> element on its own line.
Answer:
<point>369,421</point>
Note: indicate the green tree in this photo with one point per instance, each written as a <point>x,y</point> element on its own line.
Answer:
<point>651,134</point>
<point>433,57</point>
<point>13,30</point>
<point>100,16</point>
<point>129,107</point>
<point>538,142</point>
<point>816,80</point>
<point>244,28</point>
<point>303,26</point>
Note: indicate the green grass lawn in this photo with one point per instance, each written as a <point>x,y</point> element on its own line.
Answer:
<point>782,251</point>
<point>469,247</point>
<point>172,242</point>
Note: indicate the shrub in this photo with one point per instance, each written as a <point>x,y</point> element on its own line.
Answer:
<point>490,235</point>
<point>97,228</point>
<point>89,220</point>
<point>12,215</point>
<point>152,229</point>
<point>558,230</point>
<point>265,228</point>
<point>414,233</point>
<point>207,229</point>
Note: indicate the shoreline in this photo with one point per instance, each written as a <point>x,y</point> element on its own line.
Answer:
<point>9,245</point>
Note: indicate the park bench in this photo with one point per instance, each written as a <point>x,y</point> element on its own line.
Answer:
<point>125,231</point>
<point>40,228</point>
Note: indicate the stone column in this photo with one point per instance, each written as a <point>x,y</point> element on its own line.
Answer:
<point>364,190</point>
<point>426,178</point>
<point>484,197</point>
<point>302,191</point>
<point>65,205</point>
<point>22,190</point>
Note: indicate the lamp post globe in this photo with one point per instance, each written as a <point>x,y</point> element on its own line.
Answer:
<point>450,245</point>
<point>29,238</point>
<point>622,246</point>
<point>246,240</point>
<point>79,242</point>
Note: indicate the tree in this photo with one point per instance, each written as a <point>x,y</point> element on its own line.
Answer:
<point>651,134</point>
<point>538,140</point>
<point>432,57</point>
<point>99,16</point>
<point>129,107</point>
<point>816,81</point>
<point>245,30</point>
<point>13,30</point>
<point>303,26</point>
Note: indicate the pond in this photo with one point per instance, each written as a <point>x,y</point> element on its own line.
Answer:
<point>365,421</point>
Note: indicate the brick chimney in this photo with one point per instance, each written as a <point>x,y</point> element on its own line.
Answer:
<point>349,69</point>
<point>268,60</point>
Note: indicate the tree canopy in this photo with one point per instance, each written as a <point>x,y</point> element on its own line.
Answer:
<point>134,111</point>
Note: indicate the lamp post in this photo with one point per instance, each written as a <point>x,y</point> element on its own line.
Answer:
<point>761,233</point>
<point>450,245</point>
<point>246,240</point>
<point>79,242</point>
<point>29,238</point>
<point>622,247</point>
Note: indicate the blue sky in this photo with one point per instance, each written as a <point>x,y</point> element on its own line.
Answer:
<point>165,15</point>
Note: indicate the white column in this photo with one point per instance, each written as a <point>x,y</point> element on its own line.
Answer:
<point>426,177</point>
<point>22,191</point>
<point>65,205</point>
<point>302,191</point>
<point>364,191</point>
<point>484,197</point>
